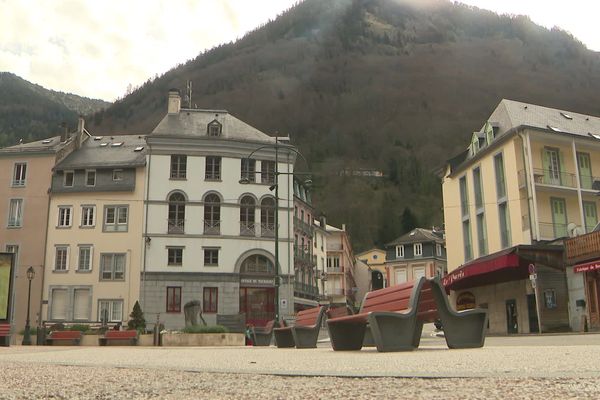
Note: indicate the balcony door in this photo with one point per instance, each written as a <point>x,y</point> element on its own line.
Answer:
<point>552,166</point>
<point>559,216</point>
<point>590,214</point>
<point>585,170</point>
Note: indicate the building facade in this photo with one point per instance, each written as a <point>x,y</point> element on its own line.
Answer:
<point>341,287</point>
<point>211,228</point>
<point>523,185</point>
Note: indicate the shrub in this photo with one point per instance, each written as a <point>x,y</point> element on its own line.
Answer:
<point>205,329</point>
<point>137,320</point>
<point>79,327</point>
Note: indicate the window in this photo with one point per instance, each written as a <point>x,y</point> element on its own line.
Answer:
<point>550,298</point>
<point>88,216</point>
<point>500,181</point>
<point>468,252</point>
<point>112,267</point>
<point>117,174</point>
<point>69,177</point>
<point>61,258</point>
<point>333,262</point>
<point>90,177</point>
<point>175,256</point>
<point>85,258</point>
<point>81,304</point>
<point>418,272</point>
<point>15,213</point>
<point>248,169</point>
<point>110,310</point>
<point>176,222</point>
<point>481,234</point>
<point>174,299</point>
<point>400,251</point>
<point>64,217</point>
<point>213,168</point>
<point>19,174</point>
<point>477,188</point>
<point>115,218</point>
<point>212,214</point>
<point>418,249</point>
<point>438,249</point>
<point>211,257</point>
<point>13,248</point>
<point>267,172</point>
<point>178,167</point>
<point>464,197</point>
<point>247,209</point>
<point>214,129</point>
<point>401,275</point>
<point>504,225</point>
<point>211,298</point>
<point>58,304</point>
<point>267,217</point>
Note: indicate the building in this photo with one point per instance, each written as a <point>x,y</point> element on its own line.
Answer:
<point>94,242</point>
<point>525,182</point>
<point>211,217</point>
<point>341,286</point>
<point>418,253</point>
<point>306,288</point>
<point>24,187</point>
<point>374,259</point>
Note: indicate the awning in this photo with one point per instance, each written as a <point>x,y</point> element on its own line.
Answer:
<point>503,266</point>
<point>590,266</point>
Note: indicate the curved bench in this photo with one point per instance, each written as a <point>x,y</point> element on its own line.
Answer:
<point>305,333</point>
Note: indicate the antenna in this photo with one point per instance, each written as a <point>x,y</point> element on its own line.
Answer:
<point>189,93</point>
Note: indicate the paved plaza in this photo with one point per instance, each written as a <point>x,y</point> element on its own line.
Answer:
<point>545,367</point>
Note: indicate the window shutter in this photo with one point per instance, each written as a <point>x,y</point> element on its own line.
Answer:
<point>59,304</point>
<point>81,307</point>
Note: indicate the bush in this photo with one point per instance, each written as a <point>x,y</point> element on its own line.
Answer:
<point>79,327</point>
<point>137,320</point>
<point>205,329</point>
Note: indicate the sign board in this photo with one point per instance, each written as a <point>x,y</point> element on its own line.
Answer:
<point>283,303</point>
<point>6,285</point>
<point>533,277</point>
<point>257,281</point>
<point>465,301</point>
<point>531,269</point>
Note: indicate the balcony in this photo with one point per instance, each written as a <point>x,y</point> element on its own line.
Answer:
<point>303,226</point>
<point>304,255</point>
<point>550,230</point>
<point>554,178</point>
<point>587,182</point>
<point>306,291</point>
<point>247,228</point>
<point>267,230</point>
<point>212,227</point>
<point>582,248</point>
<point>335,270</point>
<point>176,226</point>
<point>336,292</point>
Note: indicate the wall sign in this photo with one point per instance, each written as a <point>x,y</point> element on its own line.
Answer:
<point>465,301</point>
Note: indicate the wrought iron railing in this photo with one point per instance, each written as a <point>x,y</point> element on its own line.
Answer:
<point>267,230</point>
<point>247,228</point>
<point>549,230</point>
<point>176,226</point>
<point>554,178</point>
<point>212,227</point>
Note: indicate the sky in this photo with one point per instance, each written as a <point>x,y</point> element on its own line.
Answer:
<point>98,48</point>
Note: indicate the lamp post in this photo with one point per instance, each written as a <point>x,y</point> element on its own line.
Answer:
<point>275,187</point>
<point>27,336</point>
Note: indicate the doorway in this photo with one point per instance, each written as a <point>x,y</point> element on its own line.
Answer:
<point>512,325</point>
<point>592,279</point>
<point>532,311</point>
<point>258,304</point>
<point>376,280</point>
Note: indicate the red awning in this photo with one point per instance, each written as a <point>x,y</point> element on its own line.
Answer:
<point>590,266</point>
<point>503,266</point>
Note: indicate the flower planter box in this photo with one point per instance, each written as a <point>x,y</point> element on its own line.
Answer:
<point>203,339</point>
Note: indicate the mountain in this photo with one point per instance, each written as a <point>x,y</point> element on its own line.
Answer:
<point>396,86</point>
<point>30,112</point>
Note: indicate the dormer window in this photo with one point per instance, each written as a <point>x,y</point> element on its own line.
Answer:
<point>418,249</point>
<point>214,128</point>
<point>400,251</point>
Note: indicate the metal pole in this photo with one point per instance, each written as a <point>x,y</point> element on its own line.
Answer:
<point>276,230</point>
<point>27,336</point>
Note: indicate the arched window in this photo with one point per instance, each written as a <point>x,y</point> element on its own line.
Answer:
<point>247,210</point>
<point>212,214</point>
<point>257,264</point>
<point>267,217</point>
<point>176,223</point>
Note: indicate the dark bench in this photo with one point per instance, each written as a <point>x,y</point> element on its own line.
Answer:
<point>304,333</point>
<point>261,336</point>
<point>4,334</point>
<point>73,337</point>
<point>119,336</point>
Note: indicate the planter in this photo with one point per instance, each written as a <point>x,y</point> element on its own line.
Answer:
<point>203,339</point>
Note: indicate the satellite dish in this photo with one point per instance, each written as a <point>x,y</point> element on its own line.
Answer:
<point>574,230</point>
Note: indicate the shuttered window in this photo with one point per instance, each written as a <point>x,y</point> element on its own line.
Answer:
<point>81,307</point>
<point>59,304</point>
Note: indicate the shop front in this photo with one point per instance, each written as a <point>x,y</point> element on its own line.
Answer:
<point>591,278</point>
<point>257,290</point>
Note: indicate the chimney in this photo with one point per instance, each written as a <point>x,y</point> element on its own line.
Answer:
<point>344,227</point>
<point>80,125</point>
<point>65,132</point>
<point>174,101</point>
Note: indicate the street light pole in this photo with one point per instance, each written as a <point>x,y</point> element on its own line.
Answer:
<point>276,180</point>
<point>27,336</point>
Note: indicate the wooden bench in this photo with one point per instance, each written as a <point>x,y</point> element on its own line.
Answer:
<point>304,333</point>
<point>73,337</point>
<point>130,336</point>
<point>261,336</point>
<point>4,334</point>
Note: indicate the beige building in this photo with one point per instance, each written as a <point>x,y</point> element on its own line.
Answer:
<point>370,270</point>
<point>341,285</point>
<point>525,183</point>
<point>24,188</point>
<point>94,242</point>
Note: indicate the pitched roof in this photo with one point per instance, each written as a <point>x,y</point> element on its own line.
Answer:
<point>51,144</point>
<point>417,235</point>
<point>194,122</point>
<point>105,151</point>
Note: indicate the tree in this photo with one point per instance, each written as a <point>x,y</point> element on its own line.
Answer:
<point>137,320</point>
<point>408,220</point>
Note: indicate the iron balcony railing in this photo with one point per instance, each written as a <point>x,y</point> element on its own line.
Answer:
<point>247,228</point>
<point>336,292</point>
<point>335,270</point>
<point>554,178</point>
<point>267,230</point>
<point>549,230</point>
<point>212,227</point>
<point>306,289</point>
<point>176,226</point>
<point>303,226</point>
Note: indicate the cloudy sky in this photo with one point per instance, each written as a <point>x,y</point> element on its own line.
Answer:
<point>97,48</point>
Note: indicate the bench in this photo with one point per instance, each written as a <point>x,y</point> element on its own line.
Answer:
<point>261,336</point>
<point>235,323</point>
<point>4,334</point>
<point>73,337</point>
<point>304,333</point>
<point>119,336</point>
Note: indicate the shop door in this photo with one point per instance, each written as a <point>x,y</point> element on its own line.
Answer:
<point>512,325</point>
<point>258,304</point>
<point>531,310</point>
<point>376,280</point>
<point>591,280</point>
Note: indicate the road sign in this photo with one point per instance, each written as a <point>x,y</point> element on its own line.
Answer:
<point>531,269</point>
<point>533,277</point>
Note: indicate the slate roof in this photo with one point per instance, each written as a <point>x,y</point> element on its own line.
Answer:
<point>100,152</point>
<point>417,235</point>
<point>194,122</point>
<point>43,145</point>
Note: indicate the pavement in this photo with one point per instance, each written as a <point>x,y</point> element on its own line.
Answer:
<point>532,366</point>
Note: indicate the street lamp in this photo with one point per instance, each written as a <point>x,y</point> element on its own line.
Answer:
<point>27,336</point>
<point>275,186</point>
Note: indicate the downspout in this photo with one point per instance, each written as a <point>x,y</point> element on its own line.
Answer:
<point>533,220</point>
<point>45,251</point>
<point>289,238</point>
<point>145,238</point>
<point>579,198</point>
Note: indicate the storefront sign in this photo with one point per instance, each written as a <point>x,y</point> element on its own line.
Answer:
<point>587,267</point>
<point>455,276</point>
<point>257,281</point>
<point>465,301</point>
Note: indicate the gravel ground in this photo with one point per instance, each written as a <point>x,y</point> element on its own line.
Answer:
<point>28,381</point>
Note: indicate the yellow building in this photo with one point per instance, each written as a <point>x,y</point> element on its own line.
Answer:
<point>374,260</point>
<point>525,182</point>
